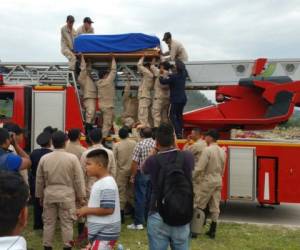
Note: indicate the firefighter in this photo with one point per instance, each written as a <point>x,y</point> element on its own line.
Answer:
<point>161,98</point>
<point>123,151</point>
<point>59,182</point>
<point>130,106</point>
<point>67,41</point>
<point>89,91</point>
<point>106,95</point>
<point>144,92</point>
<point>176,49</point>
<point>86,27</point>
<point>210,169</point>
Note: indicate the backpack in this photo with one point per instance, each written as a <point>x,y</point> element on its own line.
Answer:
<point>175,191</point>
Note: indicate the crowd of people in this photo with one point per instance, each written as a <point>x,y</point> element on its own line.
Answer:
<point>161,94</point>
<point>167,189</point>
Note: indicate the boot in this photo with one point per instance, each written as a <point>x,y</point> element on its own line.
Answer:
<point>47,248</point>
<point>67,248</point>
<point>122,217</point>
<point>88,128</point>
<point>80,228</point>
<point>212,230</point>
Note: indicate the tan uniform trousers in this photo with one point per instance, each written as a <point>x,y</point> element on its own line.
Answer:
<point>209,195</point>
<point>66,212</point>
<point>108,118</point>
<point>71,57</point>
<point>90,110</point>
<point>123,178</point>
<point>143,113</point>
<point>160,111</point>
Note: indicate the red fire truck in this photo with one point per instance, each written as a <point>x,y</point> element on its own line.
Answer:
<point>37,95</point>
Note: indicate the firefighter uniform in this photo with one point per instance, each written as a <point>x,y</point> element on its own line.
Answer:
<point>75,148</point>
<point>59,182</point>
<point>196,149</point>
<point>209,169</point>
<point>161,99</point>
<point>130,106</point>
<point>123,155</point>
<point>89,91</point>
<point>67,42</point>
<point>106,95</point>
<point>177,51</point>
<point>144,93</point>
<point>82,30</point>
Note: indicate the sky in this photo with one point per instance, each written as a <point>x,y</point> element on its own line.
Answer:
<point>210,30</point>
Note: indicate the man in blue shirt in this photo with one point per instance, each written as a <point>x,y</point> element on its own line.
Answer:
<point>8,160</point>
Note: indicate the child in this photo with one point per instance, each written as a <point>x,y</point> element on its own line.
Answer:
<point>103,210</point>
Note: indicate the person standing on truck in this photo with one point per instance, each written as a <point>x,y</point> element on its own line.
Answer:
<point>67,41</point>
<point>161,98</point>
<point>123,155</point>
<point>209,170</point>
<point>176,49</point>
<point>130,106</point>
<point>8,160</point>
<point>59,183</point>
<point>176,82</point>
<point>89,91</point>
<point>44,140</point>
<point>144,92</point>
<point>106,96</point>
<point>86,27</point>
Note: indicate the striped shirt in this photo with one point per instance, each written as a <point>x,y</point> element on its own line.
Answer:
<point>142,151</point>
<point>104,194</point>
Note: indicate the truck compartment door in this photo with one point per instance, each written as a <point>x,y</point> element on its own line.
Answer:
<point>267,180</point>
<point>242,173</point>
<point>48,109</point>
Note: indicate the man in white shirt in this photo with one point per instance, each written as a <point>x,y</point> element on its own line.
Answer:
<point>103,210</point>
<point>14,194</point>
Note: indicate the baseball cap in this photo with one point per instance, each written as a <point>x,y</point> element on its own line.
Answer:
<point>87,20</point>
<point>167,36</point>
<point>13,127</point>
<point>213,133</point>
<point>43,138</point>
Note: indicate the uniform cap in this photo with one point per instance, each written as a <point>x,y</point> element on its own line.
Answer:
<point>167,36</point>
<point>13,127</point>
<point>213,133</point>
<point>43,138</point>
<point>50,130</point>
<point>87,20</point>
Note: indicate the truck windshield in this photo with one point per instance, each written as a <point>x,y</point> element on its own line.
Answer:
<point>6,105</point>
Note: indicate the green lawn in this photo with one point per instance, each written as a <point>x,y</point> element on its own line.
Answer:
<point>229,236</point>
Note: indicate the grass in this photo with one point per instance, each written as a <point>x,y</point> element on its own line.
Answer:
<point>230,236</point>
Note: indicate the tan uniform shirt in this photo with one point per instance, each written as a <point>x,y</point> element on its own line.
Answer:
<point>123,151</point>
<point>160,91</point>
<point>82,30</point>
<point>177,51</point>
<point>106,88</point>
<point>87,85</point>
<point>112,168</point>
<point>59,178</point>
<point>211,164</point>
<point>130,104</point>
<point>147,81</point>
<point>67,38</point>
<point>75,148</point>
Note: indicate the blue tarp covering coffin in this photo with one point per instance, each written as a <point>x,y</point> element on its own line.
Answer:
<point>124,43</point>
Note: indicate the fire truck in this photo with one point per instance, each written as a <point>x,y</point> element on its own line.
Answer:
<point>250,94</point>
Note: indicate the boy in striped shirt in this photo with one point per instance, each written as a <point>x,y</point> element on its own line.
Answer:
<point>103,210</point>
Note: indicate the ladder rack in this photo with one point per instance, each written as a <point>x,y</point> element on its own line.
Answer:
<point>202,74</point>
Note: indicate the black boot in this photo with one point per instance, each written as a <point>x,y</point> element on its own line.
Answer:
<point>122,217</point>
<point>67,248</point>
<point>194,235</point>
<point>212,230</point>
<point>80,228</point>
<point>47,248</point>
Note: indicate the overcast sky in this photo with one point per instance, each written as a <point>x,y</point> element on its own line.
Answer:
<point>210,30</point>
